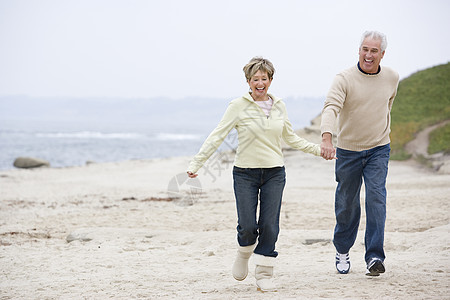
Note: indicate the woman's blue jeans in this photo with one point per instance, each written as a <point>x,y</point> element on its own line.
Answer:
<point>265,185</point>
<point>351,168</point>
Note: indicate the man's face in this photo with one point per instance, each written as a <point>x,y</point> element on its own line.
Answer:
<point>370,55</point>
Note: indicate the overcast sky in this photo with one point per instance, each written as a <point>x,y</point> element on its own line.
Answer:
<point>180,48</point>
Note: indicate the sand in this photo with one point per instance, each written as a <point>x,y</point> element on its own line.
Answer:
<point>127,241</point>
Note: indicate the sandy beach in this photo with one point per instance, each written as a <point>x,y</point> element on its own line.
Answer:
<point>114,231</point>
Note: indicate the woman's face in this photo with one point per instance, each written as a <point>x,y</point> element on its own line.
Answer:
<point>259,84</point>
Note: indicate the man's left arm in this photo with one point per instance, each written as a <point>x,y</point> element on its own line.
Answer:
<point>391,99</point>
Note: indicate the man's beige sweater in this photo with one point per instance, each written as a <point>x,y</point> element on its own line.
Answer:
<point>362,104</point>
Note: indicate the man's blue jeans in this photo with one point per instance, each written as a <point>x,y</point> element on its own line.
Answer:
<point>267,184</point>
<point>351,168</point>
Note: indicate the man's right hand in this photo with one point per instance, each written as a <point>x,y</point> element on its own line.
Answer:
<point>327,151</point>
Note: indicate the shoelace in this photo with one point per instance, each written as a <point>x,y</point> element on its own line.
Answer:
<point>343,258</point>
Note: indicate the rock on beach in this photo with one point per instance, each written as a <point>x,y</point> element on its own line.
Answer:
<point>30,162</point>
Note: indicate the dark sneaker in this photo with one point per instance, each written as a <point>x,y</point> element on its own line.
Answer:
<point>375,267</point>
<point>342,263</point>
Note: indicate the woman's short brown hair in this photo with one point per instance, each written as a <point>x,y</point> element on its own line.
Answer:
<point>256,64</point>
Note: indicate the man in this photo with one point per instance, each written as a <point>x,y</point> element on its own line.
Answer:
<point>362,97</point>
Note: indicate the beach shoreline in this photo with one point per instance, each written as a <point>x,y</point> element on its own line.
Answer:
<point>113,230</point>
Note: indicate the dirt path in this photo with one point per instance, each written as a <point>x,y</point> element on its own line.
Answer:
<point>419,146</point>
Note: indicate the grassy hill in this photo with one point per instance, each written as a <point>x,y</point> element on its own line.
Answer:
<point>423,99</point>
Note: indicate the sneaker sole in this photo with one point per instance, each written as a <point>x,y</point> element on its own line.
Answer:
<point>343,272</point>
<point>376,269</point>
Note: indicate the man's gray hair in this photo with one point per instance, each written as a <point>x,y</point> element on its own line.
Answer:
<point>376,35</point>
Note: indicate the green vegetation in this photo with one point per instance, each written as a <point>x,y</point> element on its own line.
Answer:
<point>423,99</point>
<point>440,140</point>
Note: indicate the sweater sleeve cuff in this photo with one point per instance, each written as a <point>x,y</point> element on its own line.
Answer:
<point>193,168</point>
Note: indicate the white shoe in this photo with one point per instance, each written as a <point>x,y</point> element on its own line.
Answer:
<point>240,266</point>
<point>264,273</point>
<point>375,267</point>
<point>342,263</point>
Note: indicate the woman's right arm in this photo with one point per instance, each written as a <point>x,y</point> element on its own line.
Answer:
<point>215,139</point>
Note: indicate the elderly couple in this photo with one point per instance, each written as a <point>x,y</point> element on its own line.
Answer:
<point>362,97</point>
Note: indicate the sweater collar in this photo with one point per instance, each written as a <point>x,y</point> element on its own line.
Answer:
<point>249,97</point>
<point>379,70</point>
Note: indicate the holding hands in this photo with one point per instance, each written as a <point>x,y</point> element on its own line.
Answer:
<point>327,151</point>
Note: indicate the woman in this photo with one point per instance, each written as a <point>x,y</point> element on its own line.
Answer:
<point>261,122</point>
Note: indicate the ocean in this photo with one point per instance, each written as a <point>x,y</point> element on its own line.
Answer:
<point>66,145</point>
<point>71,132</point>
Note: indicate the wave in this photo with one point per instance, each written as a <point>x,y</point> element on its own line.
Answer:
<point>122,135</point>
<point>177,137</point>
<point>90,135</point>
